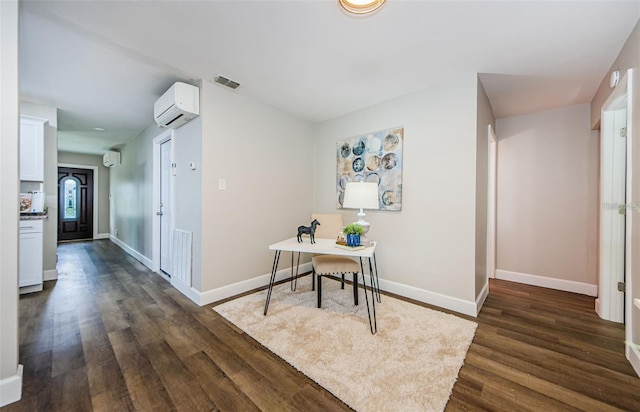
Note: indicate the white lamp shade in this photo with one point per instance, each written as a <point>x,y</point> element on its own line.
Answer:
<point>361,195</point>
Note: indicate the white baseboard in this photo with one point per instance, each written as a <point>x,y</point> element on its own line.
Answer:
<point>214,295</point>
<point>30,289</point>
<point>482,297</point>
<point>11,388</point>
<point>102,236</point>
<point>633,355</point>
<point>551,283</point>
<point>50,275</point>
<point>134,253</point>
<point>448,302</point>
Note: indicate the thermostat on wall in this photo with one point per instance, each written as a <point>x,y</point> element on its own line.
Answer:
<point>615,78</point>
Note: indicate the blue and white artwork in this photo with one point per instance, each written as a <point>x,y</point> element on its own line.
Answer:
<point>373,157</point>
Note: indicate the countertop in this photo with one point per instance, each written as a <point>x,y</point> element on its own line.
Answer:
<point>33,216</point>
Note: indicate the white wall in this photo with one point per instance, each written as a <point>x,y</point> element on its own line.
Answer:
<point>628,58</point>
<point>10,379</point>
<point>266,157</point>
<point>547,200</point>
<point>131,186</point>
<point>50,225</point>
<point>102,181</point>
<point>427,250</point>
<point>187,147</point>
<point>483,120</point>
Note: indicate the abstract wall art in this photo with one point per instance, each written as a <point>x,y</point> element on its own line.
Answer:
<point>373,157</point>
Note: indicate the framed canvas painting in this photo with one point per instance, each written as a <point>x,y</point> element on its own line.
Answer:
<point>373,157</point>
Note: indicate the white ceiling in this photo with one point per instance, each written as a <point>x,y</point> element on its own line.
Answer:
<point>103,63</point>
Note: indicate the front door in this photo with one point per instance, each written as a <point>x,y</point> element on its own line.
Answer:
<point>75,203</point>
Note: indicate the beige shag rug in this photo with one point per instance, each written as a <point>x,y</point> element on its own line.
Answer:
<point>411,364</point>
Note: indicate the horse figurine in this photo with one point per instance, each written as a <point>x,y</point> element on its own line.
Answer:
<point>308,230</point>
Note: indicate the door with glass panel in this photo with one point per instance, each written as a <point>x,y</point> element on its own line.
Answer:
<point>75,203</point>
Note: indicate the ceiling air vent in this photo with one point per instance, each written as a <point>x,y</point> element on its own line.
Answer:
<point>226,82</point>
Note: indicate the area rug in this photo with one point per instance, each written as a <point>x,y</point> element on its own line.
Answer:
<point>411,364</point>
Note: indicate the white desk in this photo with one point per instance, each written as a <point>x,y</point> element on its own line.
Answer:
<point>327,247</point>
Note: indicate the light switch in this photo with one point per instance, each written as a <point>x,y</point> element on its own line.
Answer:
<point>222,184</point>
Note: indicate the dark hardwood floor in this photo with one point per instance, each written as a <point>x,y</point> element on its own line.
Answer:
<point>110,335</point>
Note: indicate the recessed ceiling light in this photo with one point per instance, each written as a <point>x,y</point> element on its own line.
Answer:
<point>99,129</point>
<point>361,6</point>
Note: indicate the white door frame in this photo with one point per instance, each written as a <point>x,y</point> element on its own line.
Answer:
<point>611,304</point>
<point>96,198</point>
<point>157,141</point>
<point>491,202</point>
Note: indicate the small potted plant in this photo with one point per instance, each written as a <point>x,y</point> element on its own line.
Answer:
<point>352,234</point>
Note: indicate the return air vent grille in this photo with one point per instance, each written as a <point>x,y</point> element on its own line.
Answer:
<point>226,82</point>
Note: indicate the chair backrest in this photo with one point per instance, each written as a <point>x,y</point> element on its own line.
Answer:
<point>331,225</point>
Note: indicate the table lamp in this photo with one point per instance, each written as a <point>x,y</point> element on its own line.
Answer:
<point>361,195</point>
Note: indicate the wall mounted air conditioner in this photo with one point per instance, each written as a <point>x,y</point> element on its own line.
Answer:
<point>111,158</point>
<point>177,106</point>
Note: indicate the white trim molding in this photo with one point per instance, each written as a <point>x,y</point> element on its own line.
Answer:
<point>214,295</point>
<point>11,388</point>
<point>102,236</point>
<point>51,274</point>
<point>432,298</point>
<point>546,282</point>
<point>131,251</point>
<point>633,356</point>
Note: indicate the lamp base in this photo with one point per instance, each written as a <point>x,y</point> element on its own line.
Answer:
<point>365,227</point>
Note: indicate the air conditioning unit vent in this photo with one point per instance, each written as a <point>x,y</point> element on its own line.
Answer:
<point>177,106</point>
<point>111,158</point>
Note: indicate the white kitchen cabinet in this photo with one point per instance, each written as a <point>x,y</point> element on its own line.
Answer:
<point>30,267</point>
<point>32,148</point>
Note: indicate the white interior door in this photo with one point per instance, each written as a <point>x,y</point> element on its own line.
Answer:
<point>166,212</point>
<point>613,208</point>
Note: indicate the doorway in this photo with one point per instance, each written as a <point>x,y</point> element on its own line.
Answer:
<point>163,168</point>
<point>75,203</point>
<point>491,203</point>
<point>614,220</point>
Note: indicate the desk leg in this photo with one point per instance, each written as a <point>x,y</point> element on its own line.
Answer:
<point>373,325</point>
<point>374,274</point>
<point>274,270</point>
<point>294,279</point>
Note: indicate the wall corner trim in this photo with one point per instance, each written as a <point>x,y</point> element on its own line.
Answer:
<point>482,297</point>
<point>547,282</point>
<point>11,388</point>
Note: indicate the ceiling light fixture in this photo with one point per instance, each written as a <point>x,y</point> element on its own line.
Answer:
<point>361,6</point>
<point>99,129</point>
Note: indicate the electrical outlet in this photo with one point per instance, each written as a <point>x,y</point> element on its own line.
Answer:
<point>117,232</point>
